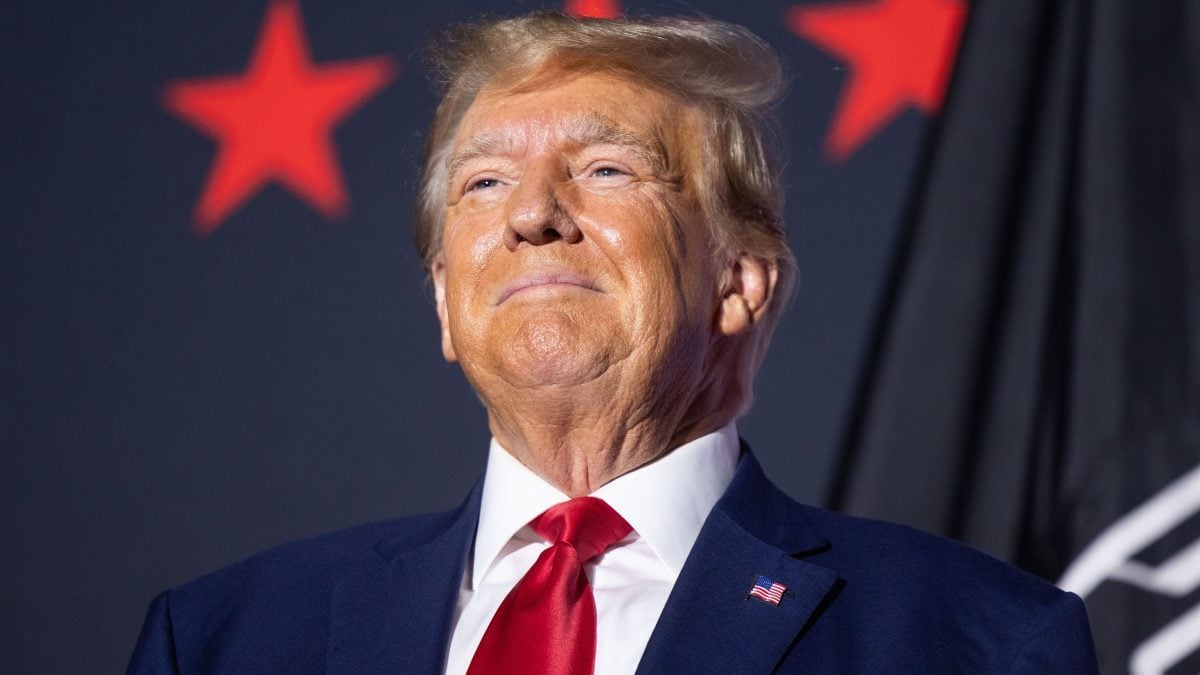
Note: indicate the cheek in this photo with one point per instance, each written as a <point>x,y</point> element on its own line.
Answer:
<point>469,249</point>
<point>678,263</point>
<point>661,250</point>
<point>482,250</point>
<point>637,230</point>
<point>660,264</point>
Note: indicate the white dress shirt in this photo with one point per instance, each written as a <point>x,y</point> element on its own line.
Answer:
<point>665,502</point>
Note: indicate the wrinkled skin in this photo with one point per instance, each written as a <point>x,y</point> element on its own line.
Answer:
<point>577,285</point>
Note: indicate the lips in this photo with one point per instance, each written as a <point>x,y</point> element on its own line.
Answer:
<point>544,278</point>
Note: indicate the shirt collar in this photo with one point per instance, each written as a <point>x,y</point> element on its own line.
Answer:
<point>665,501</point>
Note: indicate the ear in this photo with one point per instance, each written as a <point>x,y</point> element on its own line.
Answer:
<point>748,289</point>
<point>438,272</point>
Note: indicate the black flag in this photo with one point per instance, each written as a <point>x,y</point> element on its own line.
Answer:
<point>1034,386</point>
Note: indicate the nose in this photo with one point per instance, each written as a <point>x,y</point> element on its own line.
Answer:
<point>536,215</point>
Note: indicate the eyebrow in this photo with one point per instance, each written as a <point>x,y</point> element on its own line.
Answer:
<point>589,130</point>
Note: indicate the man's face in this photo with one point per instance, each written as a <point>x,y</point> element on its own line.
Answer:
<point>573,246</point>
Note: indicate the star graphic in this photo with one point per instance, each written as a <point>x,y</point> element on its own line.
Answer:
<point>595,9</point>
<point>900,53</point>
<point>274,121</point>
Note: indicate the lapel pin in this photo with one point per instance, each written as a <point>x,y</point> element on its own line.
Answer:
<point>770,592</point>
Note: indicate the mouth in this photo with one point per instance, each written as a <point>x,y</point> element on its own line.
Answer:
<point>544,281</point>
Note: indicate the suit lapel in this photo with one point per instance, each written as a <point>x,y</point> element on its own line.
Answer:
<point>709,624</point>
<point>396,617</point>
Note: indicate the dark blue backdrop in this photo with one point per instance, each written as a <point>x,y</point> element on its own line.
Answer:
<point>174,403</point>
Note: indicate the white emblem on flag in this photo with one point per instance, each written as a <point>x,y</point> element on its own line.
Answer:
<point>1110,558</point>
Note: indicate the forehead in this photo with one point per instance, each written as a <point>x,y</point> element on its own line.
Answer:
<point>592,108</point>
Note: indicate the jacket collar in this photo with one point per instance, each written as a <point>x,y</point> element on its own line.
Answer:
<point>709,623</point>
<point>396,615</point>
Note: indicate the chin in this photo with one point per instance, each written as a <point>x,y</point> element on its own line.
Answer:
<point>555,348</point>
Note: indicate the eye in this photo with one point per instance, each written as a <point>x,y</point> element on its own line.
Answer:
<point>482,184</point>
<point>608,172</point>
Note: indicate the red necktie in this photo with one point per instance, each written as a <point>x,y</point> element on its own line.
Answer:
<point>547,624</point>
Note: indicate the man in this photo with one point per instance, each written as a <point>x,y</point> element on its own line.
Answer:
<point>602,225</point>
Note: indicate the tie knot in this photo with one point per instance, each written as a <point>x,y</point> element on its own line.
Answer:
<point>587,524</point>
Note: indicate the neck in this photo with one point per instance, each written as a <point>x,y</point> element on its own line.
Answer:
<point>577,445</point>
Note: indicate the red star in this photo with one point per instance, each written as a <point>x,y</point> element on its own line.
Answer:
<point>595,9</point>
<point>274,121</point>
<point>900,53</point>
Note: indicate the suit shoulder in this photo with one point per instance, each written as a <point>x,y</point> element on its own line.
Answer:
<point>305,568</point>
<point>962,605</point>
<point>270,612</point>
<point>864,547</point>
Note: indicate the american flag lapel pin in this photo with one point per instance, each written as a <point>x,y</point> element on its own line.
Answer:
<point>770,592</point>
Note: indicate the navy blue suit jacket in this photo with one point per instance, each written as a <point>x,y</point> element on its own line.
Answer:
<point>866,597</point>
